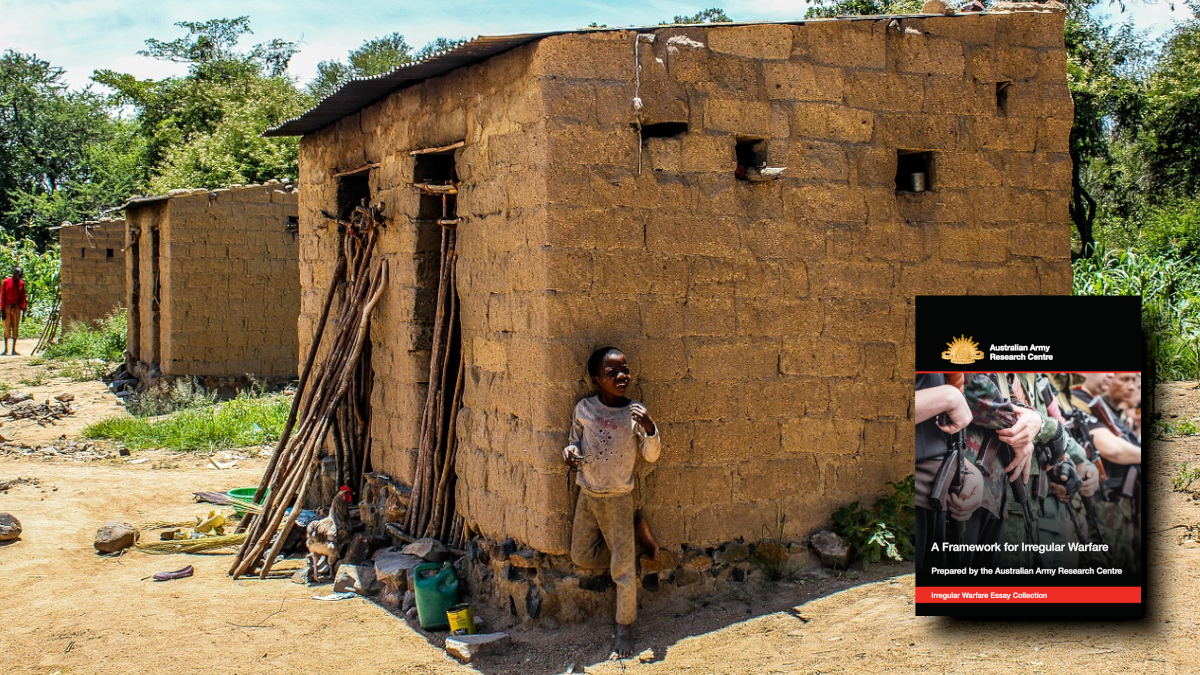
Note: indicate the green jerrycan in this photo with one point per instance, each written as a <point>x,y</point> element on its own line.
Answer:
<point>436,588</point>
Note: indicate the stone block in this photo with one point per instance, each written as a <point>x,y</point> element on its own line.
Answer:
<point>832,122</point>
<point>726,442</point>
<point>772,317</point>
<point>822,435</point>
<point>715,360</point>
<point>795,81</point>
<point>825,202</point>
<point>809,356</point>
<point>889,92</point>
<point>763,42</point>
<point>707,152</point>
<point>467,648</point>
<point>929,55</point>
<point>751,118</point>
<point>706,235</point>
<point>817,160</point>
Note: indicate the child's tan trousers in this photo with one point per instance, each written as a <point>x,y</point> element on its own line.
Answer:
<point>602,538</point>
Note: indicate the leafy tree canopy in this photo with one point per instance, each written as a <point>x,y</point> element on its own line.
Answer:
<point>204,129</point>
<point>710,15</point>
<point>374,57</point>
<point>61,154</point>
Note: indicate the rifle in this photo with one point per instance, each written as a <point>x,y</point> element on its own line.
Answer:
<point>1007,456</point>
<point>1057,467</point>
<point>1077,426</point>
<point>949,481</point>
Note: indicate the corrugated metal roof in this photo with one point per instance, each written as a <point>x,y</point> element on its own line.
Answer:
<point>362,92</point>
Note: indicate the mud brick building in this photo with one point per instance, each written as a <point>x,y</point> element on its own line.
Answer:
<point>92,276</point>
<point>213,283</point>
<point>611,191</point>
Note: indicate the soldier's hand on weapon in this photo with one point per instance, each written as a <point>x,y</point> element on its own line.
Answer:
<point>1060,492</point>
<point>1029,424</point>
<point>1091,478</point>
<point>958,412</point>
<point>1020,465</point>
<point>963,504</point>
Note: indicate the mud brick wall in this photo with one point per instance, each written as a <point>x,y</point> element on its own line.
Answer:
<point>769,324</point>
<point>92,276</point>
<point>229,282</point>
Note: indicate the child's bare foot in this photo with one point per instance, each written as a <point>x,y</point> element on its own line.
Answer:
<point>624,646</point>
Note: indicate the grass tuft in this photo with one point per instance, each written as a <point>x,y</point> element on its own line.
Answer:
<point>239,423</point>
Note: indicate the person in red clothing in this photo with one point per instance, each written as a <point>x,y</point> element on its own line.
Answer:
<point>12,306</point>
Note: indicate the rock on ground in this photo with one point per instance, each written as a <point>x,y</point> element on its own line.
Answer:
<point>356,578</point>
<point>114,536</point>
<point>468,647</point>
<point>393,568</point>
<point>831,550</point>
<point>10,527</point>
<point>428,549</point>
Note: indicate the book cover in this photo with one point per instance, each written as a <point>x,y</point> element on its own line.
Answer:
<point>1029,456</point>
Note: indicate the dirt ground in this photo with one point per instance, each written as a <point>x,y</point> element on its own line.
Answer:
<point>66,609</point>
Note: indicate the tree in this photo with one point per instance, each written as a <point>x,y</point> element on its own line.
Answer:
<point>1103,73</point>
<point>824,9</point>
<point>711,15</point>
<point>62,157</point>
<point>375,57</point>
<point>1171,142</point>
<point>204,129</point>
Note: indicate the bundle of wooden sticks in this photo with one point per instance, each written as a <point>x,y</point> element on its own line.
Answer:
<point>431,511</point>
<point>334,404</point>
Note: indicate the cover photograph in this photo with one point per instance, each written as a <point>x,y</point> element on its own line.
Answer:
<point>1029,457</point>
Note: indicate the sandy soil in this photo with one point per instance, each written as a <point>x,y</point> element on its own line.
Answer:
<point>65,609</point>
<point>92,400</point>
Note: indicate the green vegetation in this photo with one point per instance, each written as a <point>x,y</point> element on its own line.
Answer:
<point>104,340</point>
<point>239,423</point>
<point>1185,475</point>
<point>170,397</point>
<point>374,57</point>
<point>884,531</point>
<point>1164,428</point>
<point>40,268</point>
<point>87,351</point>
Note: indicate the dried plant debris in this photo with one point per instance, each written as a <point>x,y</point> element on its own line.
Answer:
<point>8,484</point>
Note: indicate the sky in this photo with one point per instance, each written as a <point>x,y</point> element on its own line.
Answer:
<point>81,36</point>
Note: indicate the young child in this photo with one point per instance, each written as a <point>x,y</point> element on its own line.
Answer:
<point>606,433</point>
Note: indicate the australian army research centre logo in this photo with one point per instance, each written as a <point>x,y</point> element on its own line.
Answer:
<point>962,351</point>
<point>965,351</point>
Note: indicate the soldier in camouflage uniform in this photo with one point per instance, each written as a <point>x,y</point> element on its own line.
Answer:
<point>1117,514</point>
<point>997,400</point>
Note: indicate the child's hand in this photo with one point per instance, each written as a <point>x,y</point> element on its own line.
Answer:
<point>572,456</point>
<point>640,415</point>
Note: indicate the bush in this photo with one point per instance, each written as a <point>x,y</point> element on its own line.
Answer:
<point>239,423</point>
<point>104,340</point>
<point>1170,290</point>
<point>1173,229</point>
<point>885,531</point>
<point>169,397</point>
